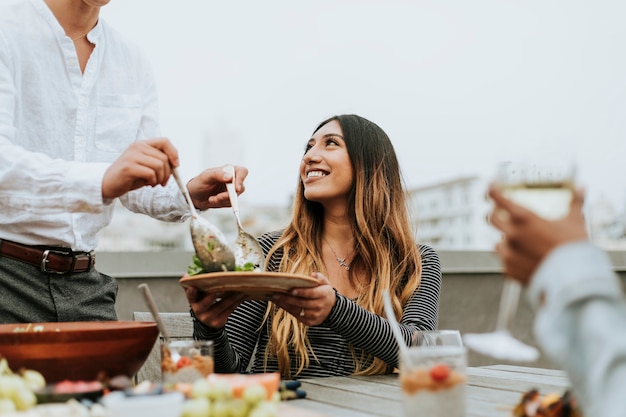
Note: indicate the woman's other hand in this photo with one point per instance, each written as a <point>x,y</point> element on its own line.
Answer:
<point>309,305</point>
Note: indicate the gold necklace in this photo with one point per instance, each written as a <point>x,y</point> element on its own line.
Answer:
<point>342,261</point>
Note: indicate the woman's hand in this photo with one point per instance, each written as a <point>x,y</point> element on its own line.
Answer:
<point>213,309</point>
<point>309,305</point>
<point>208,189</point>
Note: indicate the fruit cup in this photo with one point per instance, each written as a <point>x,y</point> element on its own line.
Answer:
<point>433,381</point>
<point>186,360</point>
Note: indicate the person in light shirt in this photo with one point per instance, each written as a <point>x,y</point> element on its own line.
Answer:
<point>581,310</point>
<point>78,130</point>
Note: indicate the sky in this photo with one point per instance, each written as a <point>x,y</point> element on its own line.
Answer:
<point>458,85</point>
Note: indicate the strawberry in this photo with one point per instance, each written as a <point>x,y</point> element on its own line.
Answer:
<point>183,362</point>
<point>440,372</point>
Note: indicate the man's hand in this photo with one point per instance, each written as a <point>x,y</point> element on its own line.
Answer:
<point>145,162</point>
<point>208,189</point>
<point>528,238</point>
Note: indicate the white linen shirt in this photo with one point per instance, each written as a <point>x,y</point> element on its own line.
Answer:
<point>581,324</point>
<point>61,129</point>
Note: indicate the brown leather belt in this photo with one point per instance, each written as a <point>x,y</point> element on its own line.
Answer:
<point>49,260</point>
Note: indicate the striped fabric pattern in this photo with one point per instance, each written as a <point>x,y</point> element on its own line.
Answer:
<point>348,324</point>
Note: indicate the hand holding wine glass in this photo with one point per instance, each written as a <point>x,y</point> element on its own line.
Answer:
<point>547,190</point>
<point>528,238</point>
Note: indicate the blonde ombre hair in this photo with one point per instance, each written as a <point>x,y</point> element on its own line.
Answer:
<point>386,252</point>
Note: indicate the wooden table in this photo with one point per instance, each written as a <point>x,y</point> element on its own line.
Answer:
<point>492,392</point>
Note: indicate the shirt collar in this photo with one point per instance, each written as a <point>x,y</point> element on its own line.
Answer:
<point>46,14</point>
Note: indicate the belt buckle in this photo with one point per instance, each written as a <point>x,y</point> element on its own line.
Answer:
<point>44,261</point>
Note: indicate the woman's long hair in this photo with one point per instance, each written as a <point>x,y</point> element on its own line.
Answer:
<point>385,251</point>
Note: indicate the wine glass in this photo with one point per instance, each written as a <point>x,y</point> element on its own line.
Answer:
<point>547,189</point>
<point>436,338</point>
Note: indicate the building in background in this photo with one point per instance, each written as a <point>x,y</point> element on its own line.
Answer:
<point>607,225</point>
<point>132,232</point>
<point>451,215</point>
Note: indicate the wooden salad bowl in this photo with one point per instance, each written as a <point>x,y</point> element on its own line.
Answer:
<point>78,351</point>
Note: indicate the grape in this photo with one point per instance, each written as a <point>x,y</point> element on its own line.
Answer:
<point>264,409</point>
<point>34,380</point>
<point>254,394</point>
<point>10,385</point>
<point>6,406</point>
<point>221,408</point>
<point>201,389</point>
<point>4,367</point>
<point>196,407</point>
<point>24,399</point>
<point>16,392</point>
<point>221,390</point>
<point>238,408</point>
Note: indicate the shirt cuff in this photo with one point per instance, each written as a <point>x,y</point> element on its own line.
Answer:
<point>572,272</point>
<point>180,202</point>
<point>339,311</point>
<point>84,191</point>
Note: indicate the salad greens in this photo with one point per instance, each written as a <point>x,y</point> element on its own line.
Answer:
<point>196,267</point>
<point>248,266</point>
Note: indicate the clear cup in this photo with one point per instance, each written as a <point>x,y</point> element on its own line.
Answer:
<point>433,381</point>
<point>186,360</point>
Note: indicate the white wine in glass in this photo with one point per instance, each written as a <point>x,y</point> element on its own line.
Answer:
<point>547,189</point>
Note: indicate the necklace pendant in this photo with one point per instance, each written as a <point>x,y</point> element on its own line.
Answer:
<point>342,262</point>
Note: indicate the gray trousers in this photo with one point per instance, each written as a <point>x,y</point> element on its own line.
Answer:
<point>28,295</point>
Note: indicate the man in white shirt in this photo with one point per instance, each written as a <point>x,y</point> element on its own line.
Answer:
<point>581,310</point>
<point>78,129</point>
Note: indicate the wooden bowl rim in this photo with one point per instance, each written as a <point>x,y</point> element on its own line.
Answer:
<point>73,331</point>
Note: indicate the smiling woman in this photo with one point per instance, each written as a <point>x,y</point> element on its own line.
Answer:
<point>349,230</point>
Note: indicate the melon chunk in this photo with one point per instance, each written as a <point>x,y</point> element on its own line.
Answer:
<point>239,382</point>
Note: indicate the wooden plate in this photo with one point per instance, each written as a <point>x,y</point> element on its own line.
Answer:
<point>257,285</point>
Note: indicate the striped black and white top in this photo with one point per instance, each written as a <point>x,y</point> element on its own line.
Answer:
<point>347,324</point>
